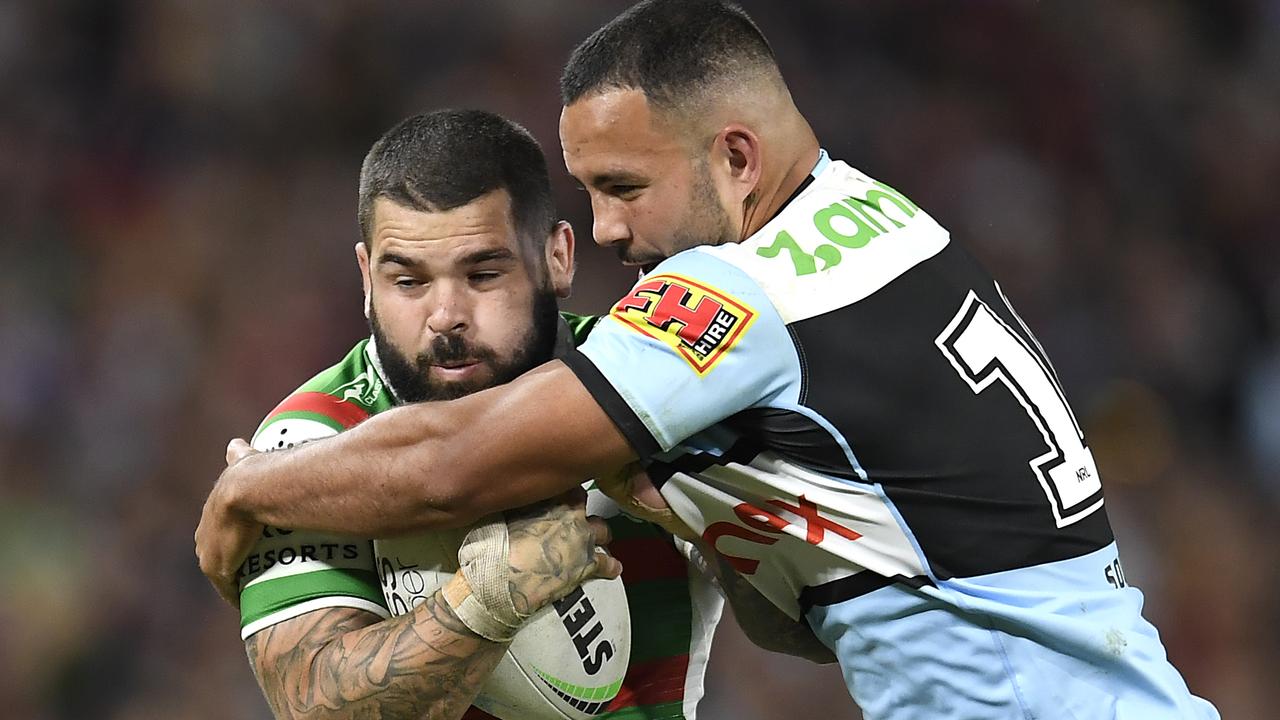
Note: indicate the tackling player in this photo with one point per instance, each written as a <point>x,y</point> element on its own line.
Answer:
<point>827,390</point>
<point>461,262</point>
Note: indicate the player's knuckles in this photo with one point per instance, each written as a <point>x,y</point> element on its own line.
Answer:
<point>605,566</point>
<point>600,530</point>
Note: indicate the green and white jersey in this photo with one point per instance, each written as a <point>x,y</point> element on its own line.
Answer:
<point>292,572</point>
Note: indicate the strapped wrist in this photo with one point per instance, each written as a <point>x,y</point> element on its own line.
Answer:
<point>482,597</point>
<point>466,606</point>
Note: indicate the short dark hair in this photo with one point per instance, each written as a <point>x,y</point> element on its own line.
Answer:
<point>668,49</point>
<point>444,159</point>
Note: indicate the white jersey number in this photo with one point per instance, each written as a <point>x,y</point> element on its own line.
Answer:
<point>983,349</point>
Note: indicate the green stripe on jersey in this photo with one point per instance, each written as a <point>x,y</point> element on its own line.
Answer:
<point>661,619</point>
<point>657,711</point>
<point>269,596</point>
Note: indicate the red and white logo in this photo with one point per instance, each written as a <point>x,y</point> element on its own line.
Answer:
<point>772,525</point>
<point>698,322</point>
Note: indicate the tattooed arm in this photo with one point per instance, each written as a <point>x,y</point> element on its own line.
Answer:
<point>345,663</point>
<point>761,621</point>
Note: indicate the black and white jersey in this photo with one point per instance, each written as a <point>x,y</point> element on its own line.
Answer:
<point>849,410</point>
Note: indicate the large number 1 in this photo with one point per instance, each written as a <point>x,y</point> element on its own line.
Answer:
<point>983,349</point>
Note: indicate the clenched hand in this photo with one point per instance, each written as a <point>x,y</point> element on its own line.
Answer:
<point>224,538</point>
<point>553,550</point>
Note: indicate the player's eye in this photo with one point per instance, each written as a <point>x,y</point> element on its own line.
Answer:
<point>624,191</point>
<point>406,282</point>
<point>483,276</point>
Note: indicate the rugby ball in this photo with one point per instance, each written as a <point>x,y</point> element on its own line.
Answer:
<point>566,663</point>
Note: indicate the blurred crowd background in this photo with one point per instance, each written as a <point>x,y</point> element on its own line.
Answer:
<point>177,212</point>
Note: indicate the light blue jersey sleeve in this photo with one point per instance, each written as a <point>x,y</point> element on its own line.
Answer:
<point>694,342</point>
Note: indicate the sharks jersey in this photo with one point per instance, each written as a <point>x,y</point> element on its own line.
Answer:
<point>848,409</point>
<point>292,572</point>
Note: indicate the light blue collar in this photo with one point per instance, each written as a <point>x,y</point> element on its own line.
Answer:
<point>823,161</point>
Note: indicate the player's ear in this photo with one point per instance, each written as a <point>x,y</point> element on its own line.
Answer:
<point>366,281</point>
<point>739,150</point>
<point>559,257</point>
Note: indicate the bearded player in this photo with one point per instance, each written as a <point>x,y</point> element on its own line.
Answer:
<point>829,391</point>
<point>462,261</point>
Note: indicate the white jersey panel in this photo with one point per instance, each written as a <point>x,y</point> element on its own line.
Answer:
<point>785,528</point>
<point>845,237</point>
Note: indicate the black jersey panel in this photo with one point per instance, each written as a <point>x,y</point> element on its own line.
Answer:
<point>796,438</point>
<point>743,451</point>
<point>954,462</point>
<point>848,588</point>
<point>789,434</point>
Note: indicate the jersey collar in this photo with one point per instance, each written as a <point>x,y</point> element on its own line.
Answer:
<point>371,352</point>
<point>818,168</point>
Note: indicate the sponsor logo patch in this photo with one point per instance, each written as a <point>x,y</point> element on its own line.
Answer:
<point>698,322</point>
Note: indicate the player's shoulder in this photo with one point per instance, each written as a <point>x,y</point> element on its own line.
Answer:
<point>335,399</point>
<point>842,238</point>
<point>705,270</point>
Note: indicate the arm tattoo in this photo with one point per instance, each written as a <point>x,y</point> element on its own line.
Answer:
<point>342,663</point>
<point>761,621</point>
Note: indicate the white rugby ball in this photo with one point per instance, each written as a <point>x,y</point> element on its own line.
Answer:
<point>567,662</point>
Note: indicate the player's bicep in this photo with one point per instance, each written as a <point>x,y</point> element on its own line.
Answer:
<point>283,655</point>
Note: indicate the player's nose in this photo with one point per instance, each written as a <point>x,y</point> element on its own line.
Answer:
<point>450,311</point>
<point>608,226</point>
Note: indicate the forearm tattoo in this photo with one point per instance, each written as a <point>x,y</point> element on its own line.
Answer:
<point>335,664</point>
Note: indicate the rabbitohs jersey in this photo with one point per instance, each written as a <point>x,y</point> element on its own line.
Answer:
<point>292,572</point>
<point>848,409</point>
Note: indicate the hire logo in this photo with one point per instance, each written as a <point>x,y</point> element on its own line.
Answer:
<point>699,322</point>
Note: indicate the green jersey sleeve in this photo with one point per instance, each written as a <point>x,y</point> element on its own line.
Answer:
<point>293,572</point>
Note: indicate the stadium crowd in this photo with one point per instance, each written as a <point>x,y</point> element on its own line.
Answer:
<point>177,210</point>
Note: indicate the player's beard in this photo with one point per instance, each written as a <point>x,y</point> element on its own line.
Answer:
<point>410,378</point>
<point>705,223</point>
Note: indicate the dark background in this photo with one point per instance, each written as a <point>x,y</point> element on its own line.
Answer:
<point>177,210</point>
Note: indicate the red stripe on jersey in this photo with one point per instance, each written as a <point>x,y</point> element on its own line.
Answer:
<point>648,558</point>
<point>653,682</point>
<point>345,412</point>
<point>475,713</point>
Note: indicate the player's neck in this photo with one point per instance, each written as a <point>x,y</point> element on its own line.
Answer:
<point>798,163</point>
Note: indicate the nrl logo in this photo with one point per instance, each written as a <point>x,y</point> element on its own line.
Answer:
<point>699,322</point>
